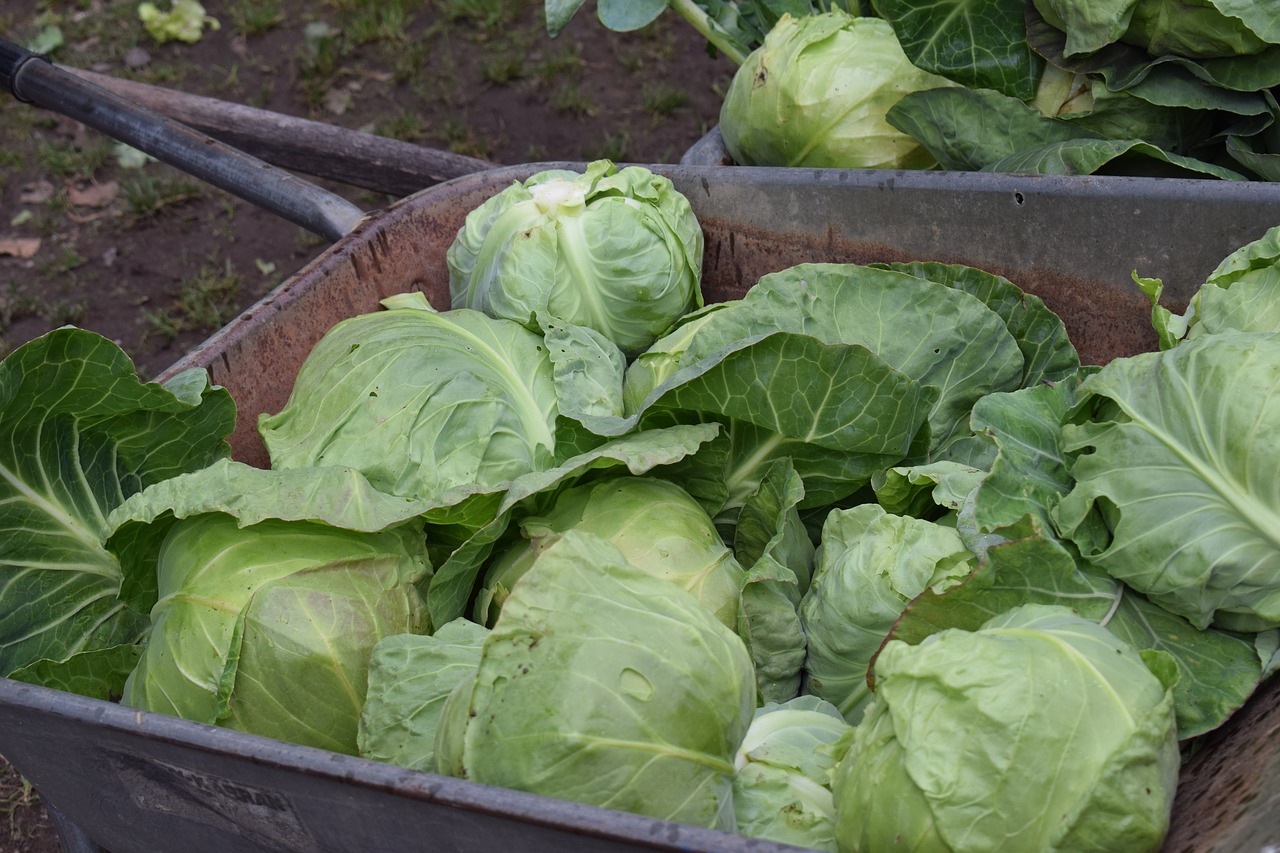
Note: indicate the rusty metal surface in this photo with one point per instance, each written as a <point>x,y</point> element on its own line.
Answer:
<point>1074,243</point>
<point>1228,797</point>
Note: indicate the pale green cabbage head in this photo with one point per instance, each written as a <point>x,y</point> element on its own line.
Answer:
<point>657,526</point>
<point>1040,731</point>
<point>783,788</point>
<point>604,685</point>
<point>268,628</point>
<point>617,251</point>
<point>816,92</point>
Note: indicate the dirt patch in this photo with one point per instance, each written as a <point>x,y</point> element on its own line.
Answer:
<point>157,261</point>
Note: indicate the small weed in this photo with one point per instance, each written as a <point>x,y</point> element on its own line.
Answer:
<point>461,139</point>
<point>231,78</point>
<point>408,126</point>
<point>318,59</point>
<point>571,100</point>
<point>255,17</point>
<point>567,61</point>
<point>407,64</point>
<point>614,146</point>
<point>149,193</point>
<point>482,14</point>
<point>17,795</point>
<point>15,305</point>
<point>65,261</point>
<point>535,153</point>
<point>662,99</point>
<point>206,302</point>
<point>503,68</point>
<point>375,23</point>
<point>58,159</point>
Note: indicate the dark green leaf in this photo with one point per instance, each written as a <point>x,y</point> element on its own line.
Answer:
<point>980,43</point>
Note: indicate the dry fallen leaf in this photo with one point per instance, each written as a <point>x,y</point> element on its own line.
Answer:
<point>19,247</point>
<point>36,193</point>
<point>94,195</point>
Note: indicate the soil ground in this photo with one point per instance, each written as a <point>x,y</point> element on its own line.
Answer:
<point>157,261</point>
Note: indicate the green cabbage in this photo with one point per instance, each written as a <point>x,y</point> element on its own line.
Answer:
<point>268,628</point>
<point>816,94</point>
<point>782,791</point>
<point>617,251</point>
<point>1039,731</point>
<point>425,404</point>
<point>604,685</point>
<point>656,525</point>
<point>870,564</point>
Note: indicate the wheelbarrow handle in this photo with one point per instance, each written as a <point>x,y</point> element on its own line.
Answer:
<point>31,78</point>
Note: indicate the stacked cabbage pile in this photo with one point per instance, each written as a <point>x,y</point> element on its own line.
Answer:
<point>863,558</point>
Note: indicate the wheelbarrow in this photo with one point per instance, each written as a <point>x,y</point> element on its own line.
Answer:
<point>132,782</point>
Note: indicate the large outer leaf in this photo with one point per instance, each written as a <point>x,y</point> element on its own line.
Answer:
<point>771,543</point>
<point>605,685</point>
<point>1090,26</point>
<point>1185,472</point>
<point>79,433</point>
<point>421,402</point>
<point>838,411</point>
<point>1047,352</point>
<point>1087,156</point>
<point>980,43</point>
<point>970,130</point>
<point>1266,164</point>
<point>1125,64</point>
<point>1217,671</point>
<point>913,323</point>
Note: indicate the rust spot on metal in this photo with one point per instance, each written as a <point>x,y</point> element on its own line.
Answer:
<point>1227,798</point>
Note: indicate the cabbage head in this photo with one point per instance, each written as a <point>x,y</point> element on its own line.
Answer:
<point>658,527</point>
<point>783,788</point>
<point>425,404</point>
<point>816,92</point>
<point>617,251</point>
<point>604,685</point>
<point>870,564</point>
<point>268,628</point>
<point>1041,731</point>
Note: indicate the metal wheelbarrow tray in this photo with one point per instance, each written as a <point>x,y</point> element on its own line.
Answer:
<point>128,780</point>
<point>139,782</point>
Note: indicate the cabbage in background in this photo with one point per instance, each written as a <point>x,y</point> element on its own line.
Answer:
<point>816,94</point>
